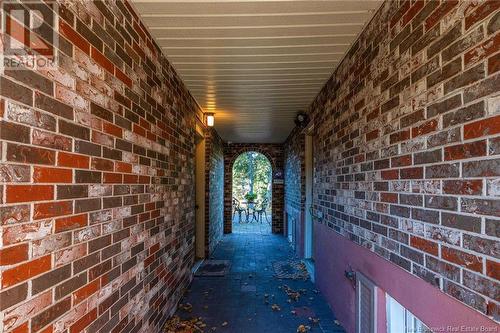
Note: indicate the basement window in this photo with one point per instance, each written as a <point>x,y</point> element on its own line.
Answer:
<point>400,320</point>
<point>366,305</point>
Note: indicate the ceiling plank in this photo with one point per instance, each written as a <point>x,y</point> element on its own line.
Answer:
<point>257,42</point>
<point>235,7</point>
<point>258,32</point>
<point>255,20</point>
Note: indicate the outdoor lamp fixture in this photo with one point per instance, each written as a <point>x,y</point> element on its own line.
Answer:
<point>210,118</point>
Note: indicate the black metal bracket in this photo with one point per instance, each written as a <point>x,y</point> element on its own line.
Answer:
<point>350,274</point>
<point>315,216</point>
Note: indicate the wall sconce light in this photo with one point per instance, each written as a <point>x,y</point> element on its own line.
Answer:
<point>210,118</point>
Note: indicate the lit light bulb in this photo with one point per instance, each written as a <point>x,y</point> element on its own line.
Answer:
<point>210,119</point>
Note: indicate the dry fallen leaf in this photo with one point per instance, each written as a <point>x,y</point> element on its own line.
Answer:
<point>294,295</point>
<point>176,325</point>
<point>186,307</point>
<point>301,329</point>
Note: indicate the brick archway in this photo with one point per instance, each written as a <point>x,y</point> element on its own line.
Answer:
<point>274,153</point>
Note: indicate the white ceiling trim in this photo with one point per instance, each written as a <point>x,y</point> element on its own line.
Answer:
<point>255,63</point>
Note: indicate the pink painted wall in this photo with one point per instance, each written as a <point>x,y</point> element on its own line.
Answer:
<point>381,312</point>
<point>427,303</point>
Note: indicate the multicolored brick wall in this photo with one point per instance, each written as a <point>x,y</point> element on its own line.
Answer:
<point>97,192</point>
<point>274,153</point>
<point>294,160</point>
<point>407,145</point>
<point>214,199</point>
<point>294,173</point>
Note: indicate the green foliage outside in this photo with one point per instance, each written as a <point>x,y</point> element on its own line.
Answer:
<point>252,174</point>
<point>251,197</point>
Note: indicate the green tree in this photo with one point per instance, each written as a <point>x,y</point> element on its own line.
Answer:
<point>252,173</point>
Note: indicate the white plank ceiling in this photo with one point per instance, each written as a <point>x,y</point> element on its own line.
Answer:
<point>255,63</point>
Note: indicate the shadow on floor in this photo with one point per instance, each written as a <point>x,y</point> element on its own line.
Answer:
<point>242,301</point>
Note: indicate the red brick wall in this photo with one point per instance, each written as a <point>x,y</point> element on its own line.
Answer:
<point>274,152</point>
<point>97,200</point>
<point>407,138</point>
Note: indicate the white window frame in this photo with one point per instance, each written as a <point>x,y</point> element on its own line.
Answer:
<point>412,324</point>
<point>361,279</point>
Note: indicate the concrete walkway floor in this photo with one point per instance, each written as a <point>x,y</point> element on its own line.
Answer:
<point>244,297</point>
<point>251,228</point>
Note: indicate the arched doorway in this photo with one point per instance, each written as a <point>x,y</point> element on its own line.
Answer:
<point>252,175</point>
